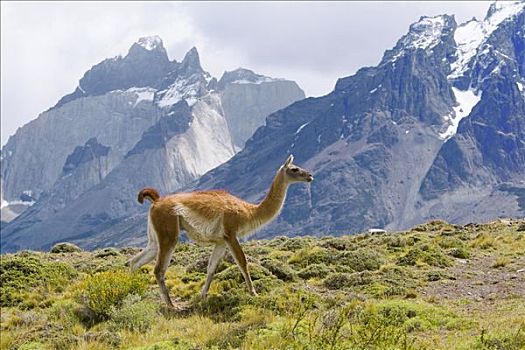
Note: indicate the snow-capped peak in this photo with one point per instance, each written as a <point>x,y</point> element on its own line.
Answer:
<point>472,34</point>
<point>150,42</point>
<point>427,32</point>
<point>245,76</point>
<point>500,10</point>
<point>424,34</point>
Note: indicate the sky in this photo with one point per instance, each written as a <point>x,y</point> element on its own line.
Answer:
<point>46,47</point>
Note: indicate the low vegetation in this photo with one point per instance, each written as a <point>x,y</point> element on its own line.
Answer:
<point>437,286</point>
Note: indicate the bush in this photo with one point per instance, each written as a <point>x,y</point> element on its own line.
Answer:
<point>101,291</point>
<point>294,244</point>
<point>25,277</point>
<point>501,261</point>
<point>134,314</point>
<point>315,270</point>
<point>234,273</point>
<point>344,280</point>
<point>424,254</point>
<point>278,269</point>
<point>435,275</point>
<point>308,256</point>
<point>222,307</point>
<point>65,247</point>
<point>338,243</point>
<point>460,253</point>
<point>361,259</point>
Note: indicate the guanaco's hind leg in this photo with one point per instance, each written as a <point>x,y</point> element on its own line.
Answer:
<point>147,254</point>
<point>167,229</point>
<point>240,259</point>
<point>215,258</point>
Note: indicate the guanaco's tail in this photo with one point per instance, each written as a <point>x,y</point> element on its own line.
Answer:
<point>148,193</point>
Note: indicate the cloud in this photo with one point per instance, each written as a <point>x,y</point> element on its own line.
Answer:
<point>48,46</point>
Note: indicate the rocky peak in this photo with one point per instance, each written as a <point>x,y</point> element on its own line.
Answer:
<point>243,76</point>
<point>191,63</point>
<point>145,65</point>
<point>151,43</point>
<point>425,34</point>
<point>148,49</point>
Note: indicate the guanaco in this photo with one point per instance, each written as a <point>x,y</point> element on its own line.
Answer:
<point>211,218</point>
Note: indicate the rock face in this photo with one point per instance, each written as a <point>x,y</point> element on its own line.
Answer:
<point>436,130</point>
<point>133,121</point>
<point>260,95</point>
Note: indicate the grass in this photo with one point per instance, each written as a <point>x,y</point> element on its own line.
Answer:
<point>437,286</point>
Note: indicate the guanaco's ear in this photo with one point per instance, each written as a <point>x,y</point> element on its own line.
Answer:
<point>289,160</point>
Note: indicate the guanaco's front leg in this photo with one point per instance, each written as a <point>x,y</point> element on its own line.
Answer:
<point>215,258</point>
<point>240,259</point>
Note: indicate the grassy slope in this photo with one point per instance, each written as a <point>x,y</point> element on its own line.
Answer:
<point>438,286</point>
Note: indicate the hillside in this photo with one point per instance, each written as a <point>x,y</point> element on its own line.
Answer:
<point>436,286</point>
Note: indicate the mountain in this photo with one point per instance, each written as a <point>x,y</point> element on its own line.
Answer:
<point>435,130</point>
<point>132,121</point>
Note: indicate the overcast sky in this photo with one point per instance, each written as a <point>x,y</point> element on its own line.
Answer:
<point>47,46</point>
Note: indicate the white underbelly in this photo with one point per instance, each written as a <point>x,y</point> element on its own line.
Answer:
<point>199,229</point>
<point>204,237</point>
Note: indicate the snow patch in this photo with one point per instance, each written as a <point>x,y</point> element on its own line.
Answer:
<point>259,80</point>
<point>150,42</point>
<point>180,89</point>
<point>520,86</point>
<point>143,94</point>
<point>301,128</point>
<point>466,101</point>
<point>5,203</point>
<point>472,34</point>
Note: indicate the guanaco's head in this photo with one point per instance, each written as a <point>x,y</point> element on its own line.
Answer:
<point>293,173</point>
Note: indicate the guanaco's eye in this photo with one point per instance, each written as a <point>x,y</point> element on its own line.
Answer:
<point>294,170</point>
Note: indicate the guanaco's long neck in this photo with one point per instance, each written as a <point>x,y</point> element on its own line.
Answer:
<point>273,202</point>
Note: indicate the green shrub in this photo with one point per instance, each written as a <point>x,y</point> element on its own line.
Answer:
<point>460,253</point>
<point>344,280</point>
<point>396,241</point>
<point>222,307</point>
<point>294,244</point>
<point>101,291</point>
<point>337,243</point>
<point>308,256</point>
<point>435,275</point>
<point>279,269</point>
<point>25,278</point>
<point>424,254</point>
<point>361,259</point>
<point>451,242</point>
<point>315,270</point>
<point>135,314</point>
<point>234,273</point>
<point>65,247</point>
<point>513,339</point>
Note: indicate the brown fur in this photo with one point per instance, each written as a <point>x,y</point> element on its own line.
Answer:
<point>211,217</point>
<point>148,193</point>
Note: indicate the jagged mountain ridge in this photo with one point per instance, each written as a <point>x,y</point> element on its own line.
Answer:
<point>125,126</point>
<point>434,131</point>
